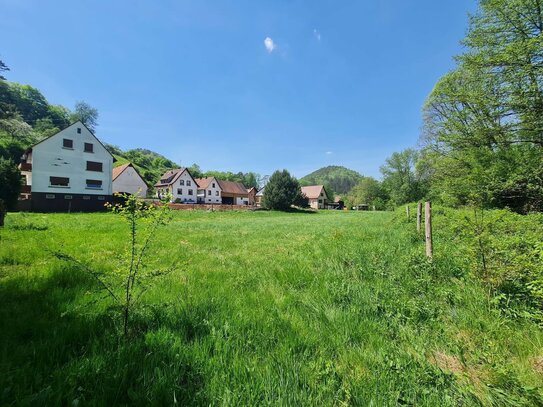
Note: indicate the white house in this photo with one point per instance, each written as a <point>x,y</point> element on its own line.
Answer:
<point>317,196</point>
<point>69,171</point>
<point>209,190</point>
<point>233,193</point>
<point>126,179</point>
<point>180,184</point>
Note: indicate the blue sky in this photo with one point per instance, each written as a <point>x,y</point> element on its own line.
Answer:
<point>337,82</point>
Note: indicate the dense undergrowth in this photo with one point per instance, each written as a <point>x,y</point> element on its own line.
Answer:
<point>335,308</point>
<point>503,249</point>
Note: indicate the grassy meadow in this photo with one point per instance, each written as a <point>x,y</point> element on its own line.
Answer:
<point>263,308</point>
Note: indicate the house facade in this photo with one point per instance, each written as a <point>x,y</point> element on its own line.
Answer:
<point>126,179</point>
<point>180,184</point>
<point>233,193</point>
<point>69,171</point>
<point>317,196</point>
<point>209,190</point>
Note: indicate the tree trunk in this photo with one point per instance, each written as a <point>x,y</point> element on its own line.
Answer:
<point>2,216</point>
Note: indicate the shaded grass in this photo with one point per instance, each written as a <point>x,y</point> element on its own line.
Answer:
<point>264,308</point>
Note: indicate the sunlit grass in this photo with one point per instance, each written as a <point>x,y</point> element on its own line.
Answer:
<point>264,308</point>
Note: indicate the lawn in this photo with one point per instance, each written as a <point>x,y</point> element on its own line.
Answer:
<point>263,308</point>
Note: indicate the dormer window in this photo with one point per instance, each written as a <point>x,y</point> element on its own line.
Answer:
<point>79,130</point>
<point>67,143</point>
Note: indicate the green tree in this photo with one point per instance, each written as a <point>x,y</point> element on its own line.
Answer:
<point>368,191</point>
<point>10,186</point>
<point>195,170</point>
<point>282,191</point>
<point>400,179</point>
<point>3,68</point>
<point>87,114</point>
<point>483,130</point>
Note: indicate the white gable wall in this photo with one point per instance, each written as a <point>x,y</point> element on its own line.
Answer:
<point>51,159</point>
<point>129,181</point>
<point>213,193</point>
<point>184,189</point>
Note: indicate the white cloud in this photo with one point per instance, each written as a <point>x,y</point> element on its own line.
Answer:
<point>329,153</point>
<point>269,44</point>
<point>317,34</point>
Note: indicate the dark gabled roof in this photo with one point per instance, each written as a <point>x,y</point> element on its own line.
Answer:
<point>172,175</point>
<point>67,127</point>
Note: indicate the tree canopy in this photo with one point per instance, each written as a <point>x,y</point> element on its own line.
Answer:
<point>282,191</point>
<point>483,130</point>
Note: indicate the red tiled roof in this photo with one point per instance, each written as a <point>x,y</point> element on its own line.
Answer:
<point>203,183</point>
<point>119,170</point>
<point>312,191</point>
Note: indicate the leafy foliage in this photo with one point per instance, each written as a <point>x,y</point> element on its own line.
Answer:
<point>282,191</point>
<point>503,250</point>
<point>87,114</point>
<point>3,68</point>
<point>483,124</point>
<point>10,186</point>
<point>368,191</point>
<point>401,180</point>
<point>336,179</point>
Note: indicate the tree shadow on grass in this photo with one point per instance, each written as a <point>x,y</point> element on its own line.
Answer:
<point>50,357</point>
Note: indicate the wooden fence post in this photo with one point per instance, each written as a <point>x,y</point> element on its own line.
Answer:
<point>428,225</point>
<point>419,216</point>
<point>407,211</point>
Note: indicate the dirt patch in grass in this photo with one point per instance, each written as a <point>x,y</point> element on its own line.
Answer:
<point>447,363</point>
<point>537,364</point>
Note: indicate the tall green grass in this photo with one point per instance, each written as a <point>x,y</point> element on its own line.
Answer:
<point>334,308</point>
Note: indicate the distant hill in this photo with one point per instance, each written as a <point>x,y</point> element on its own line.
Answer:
<point>339,179</point>
<point>149,164</point>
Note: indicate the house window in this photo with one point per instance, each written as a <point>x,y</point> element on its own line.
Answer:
<point>182,182</point>
<point>209,193</point>
<point>79,130</point>
<point>213,185</point>
<point>94,166</point>
<point>188,183</point>
<point>67,143</point>
<point>216,193</point>
<point>190,191</point>
<point>89,148</point>
<point>59,181</point>
<point>179,191</point>
<point>49,196</point>
<point>68,197</point>
<point>94,184</point>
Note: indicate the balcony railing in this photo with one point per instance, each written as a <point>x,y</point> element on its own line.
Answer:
<point>25,189</point>
<point>25,167</point>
